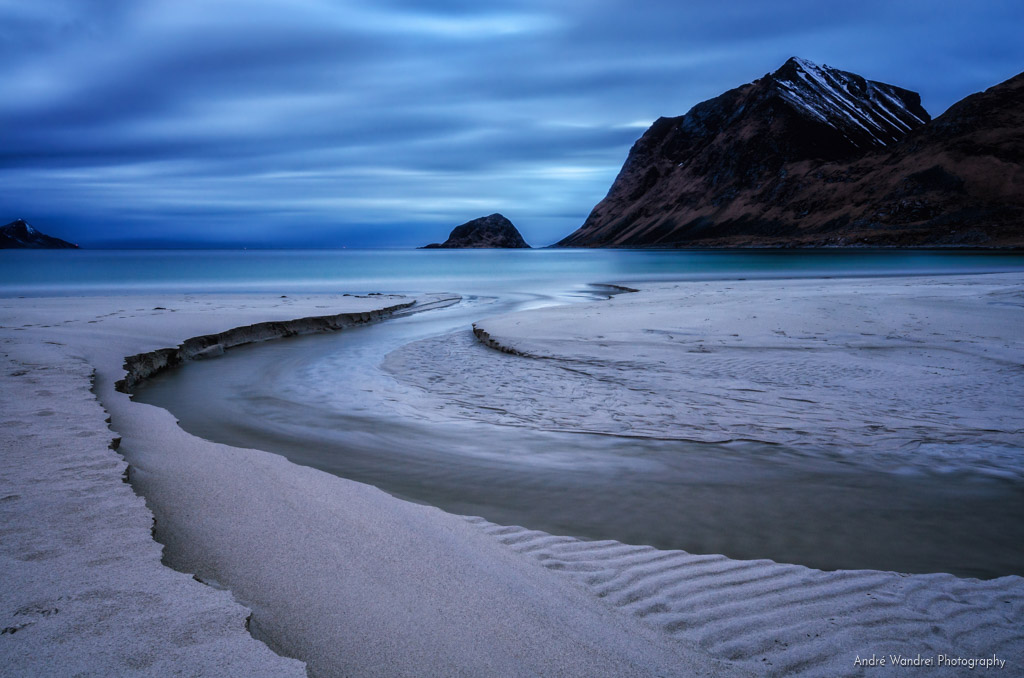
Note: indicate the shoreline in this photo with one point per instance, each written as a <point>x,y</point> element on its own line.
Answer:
<point>558,621</point>
<point>395,562</point>
<point>480,433</point>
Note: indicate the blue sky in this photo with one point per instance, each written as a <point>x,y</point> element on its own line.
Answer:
<point>384,124</point>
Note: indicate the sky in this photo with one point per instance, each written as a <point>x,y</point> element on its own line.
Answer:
<point>326,123</point>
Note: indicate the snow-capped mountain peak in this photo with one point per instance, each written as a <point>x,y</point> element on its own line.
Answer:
<point>867,113</point>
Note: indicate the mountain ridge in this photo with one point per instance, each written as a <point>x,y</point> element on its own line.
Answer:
<point>813,156</point>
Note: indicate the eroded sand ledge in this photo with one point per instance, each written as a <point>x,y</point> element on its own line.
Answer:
<point>354,580</point>
<point>144,365</point>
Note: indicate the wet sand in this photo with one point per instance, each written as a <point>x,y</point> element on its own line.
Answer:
<point>353,580</point>
<point>606,429</point>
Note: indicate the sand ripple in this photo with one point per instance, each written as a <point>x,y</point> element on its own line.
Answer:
<point>788,619</point>
<point>924,376</point>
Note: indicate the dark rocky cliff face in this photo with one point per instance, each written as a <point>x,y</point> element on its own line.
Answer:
<point>20,235</point>
<point>810,156</point>
<point>494,231</point>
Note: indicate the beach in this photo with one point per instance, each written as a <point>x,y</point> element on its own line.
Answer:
<point>276,565</point>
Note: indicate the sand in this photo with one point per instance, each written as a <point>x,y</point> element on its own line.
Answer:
<point>884,372</point>
<point>348,578</point>
<point>356,582</point>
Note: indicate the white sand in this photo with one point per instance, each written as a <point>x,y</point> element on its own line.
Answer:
<point>898,371</point>
<point>900,374</point>
<point>343,575</point>
<point>359,583</point>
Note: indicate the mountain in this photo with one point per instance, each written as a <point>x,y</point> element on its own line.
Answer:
<point>490,231</point>
<point>814,156</point>
<point>20,235</point>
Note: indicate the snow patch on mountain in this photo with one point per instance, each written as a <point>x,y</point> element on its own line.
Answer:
<point>867,113</point>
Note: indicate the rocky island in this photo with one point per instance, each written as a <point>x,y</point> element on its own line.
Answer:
<point>21,235</point>
<point>493,231</point>
<point>812,156</point>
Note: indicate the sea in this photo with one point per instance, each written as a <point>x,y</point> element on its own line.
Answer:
<point>84,272</point>
<point>327,401</point>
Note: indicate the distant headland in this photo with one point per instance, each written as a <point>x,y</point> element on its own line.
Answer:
<point>19,234</point>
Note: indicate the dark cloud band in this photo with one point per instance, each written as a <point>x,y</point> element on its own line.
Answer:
<point>379,123</point>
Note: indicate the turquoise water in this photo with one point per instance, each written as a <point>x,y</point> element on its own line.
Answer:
<point>59,272</point>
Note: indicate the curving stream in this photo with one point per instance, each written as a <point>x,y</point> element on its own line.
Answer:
<point>324,401</point>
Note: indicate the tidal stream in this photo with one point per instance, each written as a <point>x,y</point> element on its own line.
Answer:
<point>324,401</point>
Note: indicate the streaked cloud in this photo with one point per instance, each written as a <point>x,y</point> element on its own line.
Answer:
<point>383,124</point>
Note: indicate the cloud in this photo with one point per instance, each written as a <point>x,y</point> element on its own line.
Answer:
<point>386,123</point>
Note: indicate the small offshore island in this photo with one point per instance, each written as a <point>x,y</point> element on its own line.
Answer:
<point>493,231</point>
